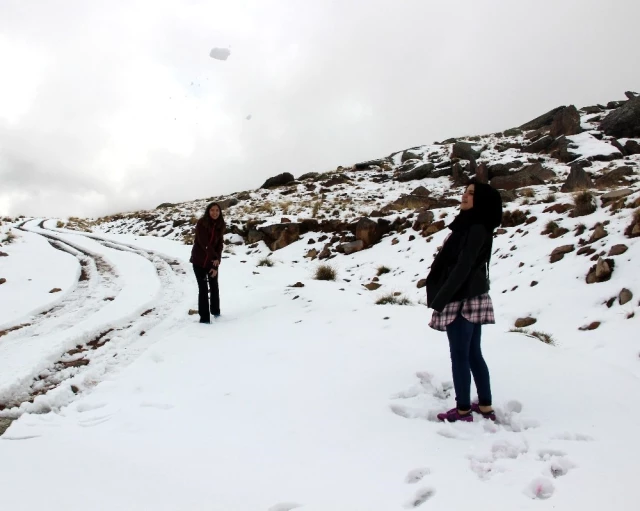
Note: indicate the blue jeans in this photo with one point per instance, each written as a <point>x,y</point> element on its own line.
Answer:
<point>466,359</point>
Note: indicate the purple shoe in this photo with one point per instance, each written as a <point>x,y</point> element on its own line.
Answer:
<point>475,407</point>
<point>453,415</point>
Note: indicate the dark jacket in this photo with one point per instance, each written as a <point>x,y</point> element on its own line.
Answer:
<point>207,246</point>
<point>459,271</point>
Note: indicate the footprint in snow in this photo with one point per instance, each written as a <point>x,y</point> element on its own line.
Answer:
<point>420,497</point>
<point>560,467</point>
<point>416,475</point>
<point>284,506</point>
<point>541,488</point>
<point>573,437</point>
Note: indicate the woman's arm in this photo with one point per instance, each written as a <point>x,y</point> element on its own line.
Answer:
<point>466,260</point>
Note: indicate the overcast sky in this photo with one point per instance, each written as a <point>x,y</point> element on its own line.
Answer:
<point>115,106</point>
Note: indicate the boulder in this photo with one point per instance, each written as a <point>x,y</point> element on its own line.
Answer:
<point>543,120</point>
<point>591,109</point>
<point>559,252</point>
<point>512,132</point>
<point>165,205</point>
<point>599,232</point>
<point>503,169</point>
<point>617,250</point>
<point>623,121</point>
<point>482,173</point>
<point>3,280</point>
<point>278,236</point>
<point>601,272</point>
<point>312,254</point>
<point>368,232</point>
<point>529,176</point>
<point>625,296</point>
<point>351,247</point>
<point>254,236</point>
<point>411,201</point>
<point>419,172</point>
<point>566,122</point>
<point>615,194</point>
<point>367,165</point>
<point>614,177</point>
<point>410,155</point>
<point>4,254</point>
<point>525,322</point>
<point>279,180</point>
<point>227,203</point>
<point>421,283</point>
<point>464,151</point>
<point>372,286</point>
<point>577,179</point>
<point>424,220</point>
<point>632,147</point>
<point>561,150</point>
<point>540,145</point>
<point>308,175</point>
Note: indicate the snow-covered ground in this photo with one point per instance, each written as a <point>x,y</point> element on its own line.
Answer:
<point>314,397</point>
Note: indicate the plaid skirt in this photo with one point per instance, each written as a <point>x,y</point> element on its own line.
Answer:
<point>478,309</point>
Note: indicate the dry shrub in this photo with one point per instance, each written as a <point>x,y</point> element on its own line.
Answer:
<point>584,203</point>
<point>537,334</point>
<point>382,270</point>
<point>325,272</point>
<point>393,299</point>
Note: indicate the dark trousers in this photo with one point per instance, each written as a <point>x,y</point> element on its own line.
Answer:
<point>207,288</point>
<point>466,359</point>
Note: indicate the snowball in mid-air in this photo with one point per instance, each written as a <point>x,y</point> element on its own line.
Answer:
<point>220,53</point>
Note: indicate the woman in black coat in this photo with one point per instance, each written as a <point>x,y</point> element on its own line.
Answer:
<point>206,255</point>
<point>458,292</point>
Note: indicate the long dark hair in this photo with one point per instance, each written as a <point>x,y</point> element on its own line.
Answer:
<point>208,221</point>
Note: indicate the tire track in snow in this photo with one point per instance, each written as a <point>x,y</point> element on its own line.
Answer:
<point>97,284</point>
<point>81,368</point>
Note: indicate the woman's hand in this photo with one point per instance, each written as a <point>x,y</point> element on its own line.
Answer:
<point>213,272</point>
<point>216,263</point>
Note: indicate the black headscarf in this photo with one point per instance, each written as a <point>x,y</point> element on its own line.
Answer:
<point>486,210</point>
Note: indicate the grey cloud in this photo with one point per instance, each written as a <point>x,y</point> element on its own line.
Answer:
<point>326,83</point>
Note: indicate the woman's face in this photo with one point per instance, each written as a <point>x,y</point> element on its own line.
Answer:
<point>467,198</point>
<point>214,212</point>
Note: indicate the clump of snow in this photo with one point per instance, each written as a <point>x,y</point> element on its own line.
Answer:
<point>220,53</point>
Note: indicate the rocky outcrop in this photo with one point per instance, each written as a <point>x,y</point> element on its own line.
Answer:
<point>464,151</point>
<point>623,121</point>
<point>566,122</point>
<point>368,232</point>
<point>279,180</point>
<point>577,179</point>
<point>543,120</point>
<point>531,175</point>
<point>410,155</point>
<point>540,145</point>
<point>601,272</point>
<point>419,172</point>
<point>278,236</point>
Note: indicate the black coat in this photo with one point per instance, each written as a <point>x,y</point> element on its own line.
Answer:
<point>459,271</point>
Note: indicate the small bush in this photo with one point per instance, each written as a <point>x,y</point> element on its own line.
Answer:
<point>9,238</point>
<point>549,198</point>
<point>528,192</point>
<point>551,227</point>
<point>393,299</point>
<point>541,336</point>
<point>325,272</point>
<point>284,207</point>
<point>265,261</point>
<point>266,207</point>
<point>60,224</point>
<point>584,203</point>
<point>382,270</point>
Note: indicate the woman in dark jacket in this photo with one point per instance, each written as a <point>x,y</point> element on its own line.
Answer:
<point>458,291</point>
<point>206,255</point>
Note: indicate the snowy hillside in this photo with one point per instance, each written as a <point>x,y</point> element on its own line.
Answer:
<point>322,394</point>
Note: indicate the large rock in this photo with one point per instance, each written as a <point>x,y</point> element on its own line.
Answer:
<point>531,175</point>
<point>424,220</point>
<point>561,150</point>
<point>419,172</point>
<point>410,154</point>
<point>366,165</point>
<point>464,151</point>
<point>254,236</point>
<point>559,253</point>
<point>623,121</point>
<point>503,169</point>
<point>368,231</point>
<point>578,179</point>
<point>351,247</point>
<point>543,120</point>
<point>542,144</point>
<point>278,236</point>
<point>632,147</point>
<point>614,177</point>
<point>601,272</point>
<point>308,175</point>
<point>279,180</point>
<point>566,122</point>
